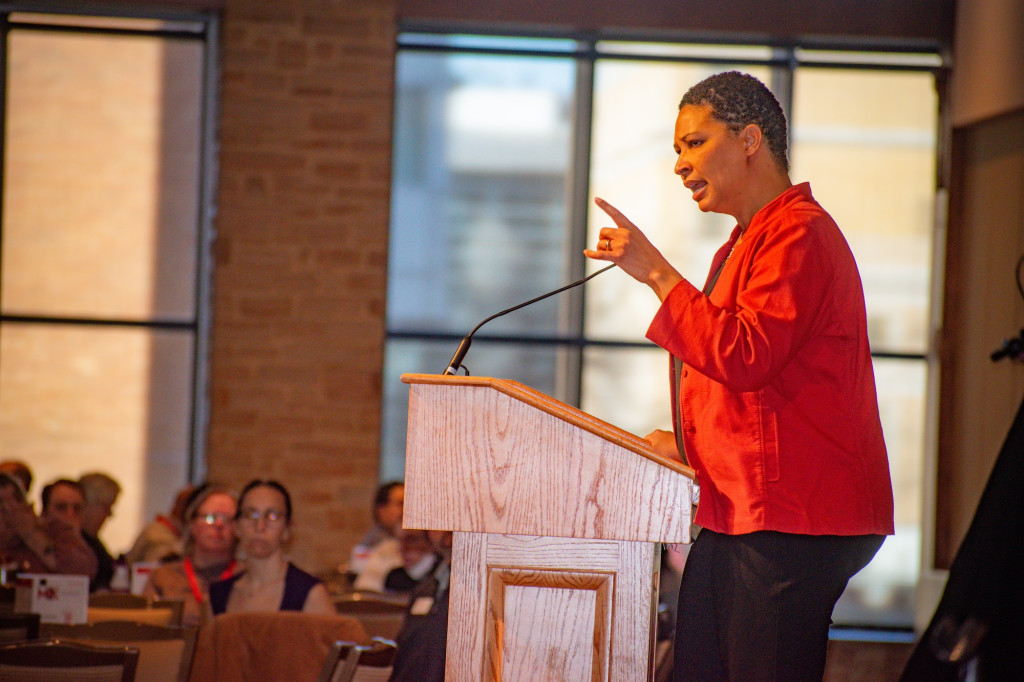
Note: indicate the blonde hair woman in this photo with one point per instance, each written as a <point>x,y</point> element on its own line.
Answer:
<point>209,553</point>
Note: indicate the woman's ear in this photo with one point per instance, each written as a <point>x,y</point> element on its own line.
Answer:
<point>752,138</point>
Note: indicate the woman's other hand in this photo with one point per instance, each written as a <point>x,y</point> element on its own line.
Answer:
<point>664,443</point>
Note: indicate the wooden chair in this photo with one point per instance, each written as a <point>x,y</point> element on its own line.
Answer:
<point>48,660</point>
<point>337,661</point>
<point>15,627</point>
<point>350,662</point>
<point>381,615</point>
<point>165,653</point>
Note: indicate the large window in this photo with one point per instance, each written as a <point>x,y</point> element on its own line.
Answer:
<point>500,146</point>
<point>102,270</point>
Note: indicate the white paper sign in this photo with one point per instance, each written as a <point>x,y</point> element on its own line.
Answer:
<point>56,598</point>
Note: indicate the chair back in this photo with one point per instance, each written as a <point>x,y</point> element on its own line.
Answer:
<point>118,600</point>
<point>167,613</point>
<point>282,645</point>
<point>381,615</point>
<point>351,662</point>
<point>18,626</point>
<point>47,660</point>
<point>165,652</point>
<point>175,606</point>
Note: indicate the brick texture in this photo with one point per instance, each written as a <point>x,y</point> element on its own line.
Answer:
<point>300,258</point>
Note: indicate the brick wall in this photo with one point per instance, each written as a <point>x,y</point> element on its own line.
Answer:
<point>300,258</point>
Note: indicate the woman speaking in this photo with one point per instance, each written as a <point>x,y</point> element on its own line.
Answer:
<point>774,397</point>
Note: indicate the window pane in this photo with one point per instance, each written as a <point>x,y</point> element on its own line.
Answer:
<point>75,399</point>
<point>627,387</point>
<point>478,224</point>
<point>635,107</point>
<point>883,593</point>
<point>101,221</point>
<point>866,141</point>
<point>101,176</point>
<point>532,365</point>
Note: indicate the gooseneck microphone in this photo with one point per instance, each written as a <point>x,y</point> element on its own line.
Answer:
<point>460,353</point>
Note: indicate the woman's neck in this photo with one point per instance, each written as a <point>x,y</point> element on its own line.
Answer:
<point>766,181</point>
<point>266,570</point>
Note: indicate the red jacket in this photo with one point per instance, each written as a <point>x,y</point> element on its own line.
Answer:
<point>778,406</point>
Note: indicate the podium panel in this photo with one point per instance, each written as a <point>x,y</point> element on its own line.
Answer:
<point>526,608</point>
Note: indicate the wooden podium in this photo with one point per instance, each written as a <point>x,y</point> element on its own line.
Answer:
<point>557,516</point>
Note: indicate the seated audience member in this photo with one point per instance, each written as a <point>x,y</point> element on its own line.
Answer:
<point>40,545</point>
<point>269,582</point>
<point>101,493</point>
<point>20,471</point>
<point>162,538</point>
<point>418,560</point>
<point>388,504</point>
<point>63,500</point>
<point>209,553</point>
<point>378,564</point>
<point>423,639</point>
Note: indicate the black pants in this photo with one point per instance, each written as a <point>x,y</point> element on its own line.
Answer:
<point>757,607</point>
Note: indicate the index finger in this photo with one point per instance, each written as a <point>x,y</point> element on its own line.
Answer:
<point>614,213</point>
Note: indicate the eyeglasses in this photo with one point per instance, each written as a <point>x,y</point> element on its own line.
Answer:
<point>254,515</point>
<point>212,518</point>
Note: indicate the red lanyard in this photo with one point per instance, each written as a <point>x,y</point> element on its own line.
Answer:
<point>190,573</point>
